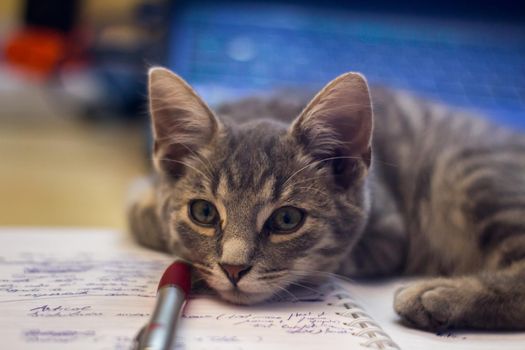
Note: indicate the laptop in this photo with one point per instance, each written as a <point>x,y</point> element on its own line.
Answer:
<point>469,57</point>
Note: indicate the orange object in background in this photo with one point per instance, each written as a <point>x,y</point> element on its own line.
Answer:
<point>36,50</point>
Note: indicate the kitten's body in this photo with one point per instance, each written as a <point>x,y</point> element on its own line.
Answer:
<point>438,175</point>
<point>445,196</point>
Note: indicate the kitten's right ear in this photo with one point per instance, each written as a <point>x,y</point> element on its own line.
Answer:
<point>336,126</point>
<point>182,123</point>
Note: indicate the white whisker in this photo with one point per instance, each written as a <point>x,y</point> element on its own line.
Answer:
<point>201,159</point>
<point>315,163</point>
<point>310,188</point>
<point>318,291</point>
<point>314,273</point>
<point>288,292</point>
<point>188,165</point>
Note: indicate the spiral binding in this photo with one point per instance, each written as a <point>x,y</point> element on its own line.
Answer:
<point>374,337</point>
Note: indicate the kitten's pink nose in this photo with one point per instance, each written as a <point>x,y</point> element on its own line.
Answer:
<point>235,272</point>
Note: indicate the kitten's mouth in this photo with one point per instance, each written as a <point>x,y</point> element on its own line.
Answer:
<point>246,294</point>
<point>238,296</point>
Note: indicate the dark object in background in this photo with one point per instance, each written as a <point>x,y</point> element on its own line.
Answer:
<point>59,15</point>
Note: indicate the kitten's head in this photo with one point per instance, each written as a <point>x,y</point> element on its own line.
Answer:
<point>259,206</point>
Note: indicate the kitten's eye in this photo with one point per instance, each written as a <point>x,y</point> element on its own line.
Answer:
<point>203,212</point>
<point>285,220</point>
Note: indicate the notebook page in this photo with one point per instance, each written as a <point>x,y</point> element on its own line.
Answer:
<point>93,289</point>
<point>74,289</point>
<point>307,320</point>
<point>377,299</point>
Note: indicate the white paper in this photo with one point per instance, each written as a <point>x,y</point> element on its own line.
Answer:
<point>74,289</point>
<point>311,321</point>
<point>92,289</point>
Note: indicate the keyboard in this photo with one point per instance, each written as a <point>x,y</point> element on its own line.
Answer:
<point>232,50</point>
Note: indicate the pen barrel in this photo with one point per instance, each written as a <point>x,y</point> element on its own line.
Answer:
<point>160,332</point>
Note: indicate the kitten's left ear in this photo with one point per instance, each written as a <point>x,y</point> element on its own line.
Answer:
<point>337,126</point>
<point>182,123</point>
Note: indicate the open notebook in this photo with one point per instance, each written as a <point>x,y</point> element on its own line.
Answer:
<point>93,289</point>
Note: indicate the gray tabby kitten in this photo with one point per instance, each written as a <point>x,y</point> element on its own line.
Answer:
<point>259,201</point>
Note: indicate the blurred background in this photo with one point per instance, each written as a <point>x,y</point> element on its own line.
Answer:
<point>73,116</point>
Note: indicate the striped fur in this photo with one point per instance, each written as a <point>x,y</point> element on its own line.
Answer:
<point>444,196</point>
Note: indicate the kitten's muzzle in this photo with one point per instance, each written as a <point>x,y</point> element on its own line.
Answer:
<point>235,272</point>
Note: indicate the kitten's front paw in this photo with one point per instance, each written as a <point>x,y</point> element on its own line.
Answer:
<point>433,305</point>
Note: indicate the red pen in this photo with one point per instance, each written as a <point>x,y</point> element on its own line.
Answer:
<point>173,289</point>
